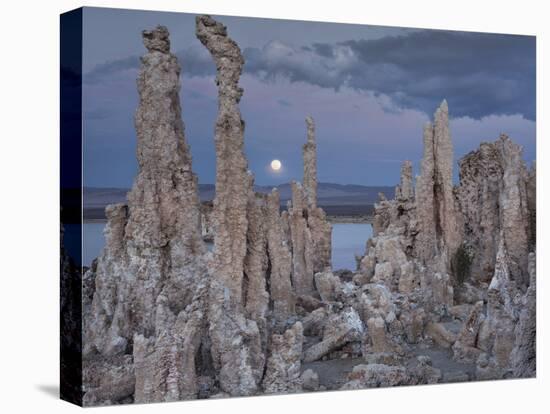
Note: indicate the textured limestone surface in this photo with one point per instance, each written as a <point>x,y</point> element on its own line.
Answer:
<point>310,232</point>
<point>446,250</point>
<point>282,297</point>
<point>283,366</point>
<point>309,154</point>
<point>148,281</point>
<point>338,330</point>
<point>524,353</point>
<point>496,196</point>
<point>405,189</point>
<point>236,341</point>
<point>439,230</point>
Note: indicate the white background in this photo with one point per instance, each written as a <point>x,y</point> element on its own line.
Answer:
<point>29,175</point>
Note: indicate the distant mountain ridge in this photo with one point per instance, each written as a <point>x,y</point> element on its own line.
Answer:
<point>328,194</point>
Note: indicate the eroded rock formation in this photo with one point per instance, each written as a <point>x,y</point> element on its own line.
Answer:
<point>236,340</point>
<point>302,243</point>
<point>310,232</point>
<point>439,231</point>
<point>405,190</point>
<point>494,200</point>
<point>499,326</point>
<point>338,330</point>
<point>524,354</point>
<point>320,229</point>
<point>309,154</point>
<point>149,281</point>
<point>283,366</point>
<point>434,250</point>
<point>449,267</point>
<point>280,259</point>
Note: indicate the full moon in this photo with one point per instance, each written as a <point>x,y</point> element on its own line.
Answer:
<point>275,165</point>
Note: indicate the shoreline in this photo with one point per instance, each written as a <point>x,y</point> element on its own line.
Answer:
<point>350,219</point>
<point>330,219</point>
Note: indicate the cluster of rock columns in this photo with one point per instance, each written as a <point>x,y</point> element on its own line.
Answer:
<point>165,319</point>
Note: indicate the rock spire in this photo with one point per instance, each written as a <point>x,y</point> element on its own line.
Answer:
<point>438,219</point>
<point>309,155</point>
<point>152,270</point>
<point>310,231</point>
<point>236,340</point>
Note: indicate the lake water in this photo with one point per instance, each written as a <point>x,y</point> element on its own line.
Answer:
<point>89,238</point>
<point>348,239</point>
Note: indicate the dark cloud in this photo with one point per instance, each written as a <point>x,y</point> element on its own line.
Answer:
<point>479,74</point>
<point>283,102</point>
<point>323,49</point>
